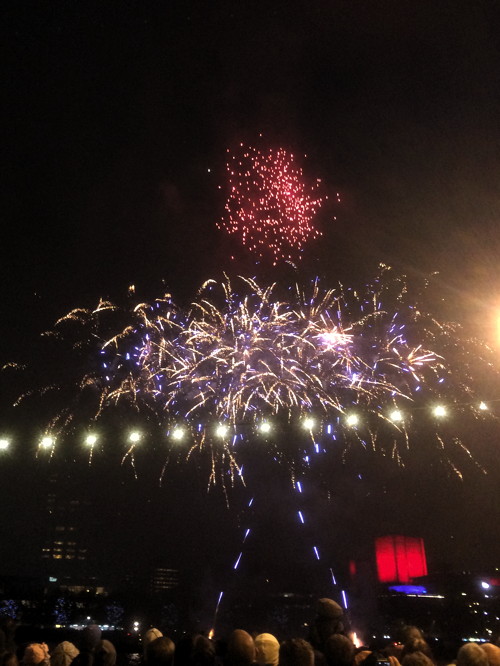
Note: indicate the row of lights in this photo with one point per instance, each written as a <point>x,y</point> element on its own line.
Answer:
<point>222,430</point>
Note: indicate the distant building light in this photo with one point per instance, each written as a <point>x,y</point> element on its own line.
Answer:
<point>408,589</point>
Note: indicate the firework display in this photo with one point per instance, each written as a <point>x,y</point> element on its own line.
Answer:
<point>269,206</point>
<point>358,367</point>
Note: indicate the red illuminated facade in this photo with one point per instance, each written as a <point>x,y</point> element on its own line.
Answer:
<point>400,559</point>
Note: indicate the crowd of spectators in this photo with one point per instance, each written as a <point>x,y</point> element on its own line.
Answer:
<point>329,643</point>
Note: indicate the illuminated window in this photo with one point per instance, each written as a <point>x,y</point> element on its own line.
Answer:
<point>400,558</point>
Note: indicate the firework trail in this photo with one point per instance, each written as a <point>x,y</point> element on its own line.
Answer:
<point>269,206</point>
<point>356,367</point>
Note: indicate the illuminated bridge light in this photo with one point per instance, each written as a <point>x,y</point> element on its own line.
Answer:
<point>47,442</point>
<point>352,420</point>
<point>439,411</point>
<point>177,434</point>
<point>396,415</point>
<point>308,423</point>
<point>221,430</point>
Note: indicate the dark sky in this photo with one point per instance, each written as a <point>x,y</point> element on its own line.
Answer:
<point>114,112</point>
<point>113,115</point>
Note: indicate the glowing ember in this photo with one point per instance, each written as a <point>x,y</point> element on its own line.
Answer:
<point>269,206</point>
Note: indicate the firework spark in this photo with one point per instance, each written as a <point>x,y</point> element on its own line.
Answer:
<point>357,366</point>
<point>269,205</point>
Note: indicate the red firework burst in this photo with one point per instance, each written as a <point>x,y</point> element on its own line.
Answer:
<point>269,205</point>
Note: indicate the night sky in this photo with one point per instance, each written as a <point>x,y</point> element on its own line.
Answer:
<point>116,120</point>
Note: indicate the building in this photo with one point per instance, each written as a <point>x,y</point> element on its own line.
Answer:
<point>64,548</point>
<point>163,579</point>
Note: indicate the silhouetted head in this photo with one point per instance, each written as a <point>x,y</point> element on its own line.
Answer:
<point>9,659</point>
<point>296,652</point>
<point>328,621</point>
<point>492,653</point>
<point>240,649</point>
<point>267,649</point>
<point>203,651</point>
<point>417,645</point>
<point>91,635</point>
<point>471,654</point>
<point>63,654</point>
<point>36,654</point>
<point>105,654</point>
<point>339,650</point>
<point>417,659</point>
<point>407,633</point>
<point>149,637</point>
<point>160,652</point>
